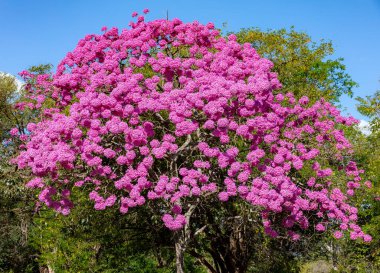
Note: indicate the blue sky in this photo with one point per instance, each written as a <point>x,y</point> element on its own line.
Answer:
<point>42,31</point>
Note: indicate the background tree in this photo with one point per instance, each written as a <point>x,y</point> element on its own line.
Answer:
<point>8,94</point>
<point>15,208</point>
<point>304,67</point>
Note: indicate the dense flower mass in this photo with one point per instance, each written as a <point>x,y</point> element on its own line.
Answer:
<point>168,112</point>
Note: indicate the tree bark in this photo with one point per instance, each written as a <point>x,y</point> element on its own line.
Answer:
<point>182,239</point>
<point>179,254</point>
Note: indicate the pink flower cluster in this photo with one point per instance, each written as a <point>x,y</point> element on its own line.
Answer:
<point>170,112</point>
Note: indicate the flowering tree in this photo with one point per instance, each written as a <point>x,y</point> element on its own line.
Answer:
<point>171,114</point>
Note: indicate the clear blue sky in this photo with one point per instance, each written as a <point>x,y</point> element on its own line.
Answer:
<point>41,31</point>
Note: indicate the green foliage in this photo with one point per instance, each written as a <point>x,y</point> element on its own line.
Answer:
<point>104,241</point>
<point>16,253</point>
<point>302,66</point>
<point>40,69</point>
<point>8,88</point>
<point>370,107</point>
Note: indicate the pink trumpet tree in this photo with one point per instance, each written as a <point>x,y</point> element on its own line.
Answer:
<point>169,113</point>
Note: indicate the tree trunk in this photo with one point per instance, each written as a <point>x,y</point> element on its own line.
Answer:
<point>179,254</point>
<point>182,239</point>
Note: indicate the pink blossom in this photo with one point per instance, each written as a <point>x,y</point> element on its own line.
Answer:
<point>14,132</point>
<point>338,234</point>
<point>320,227</point>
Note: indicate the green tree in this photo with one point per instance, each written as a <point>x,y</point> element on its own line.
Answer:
<point>303,66</point>
<point>88,241</point>
<point>370,107</point>
<point>8,93</point>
